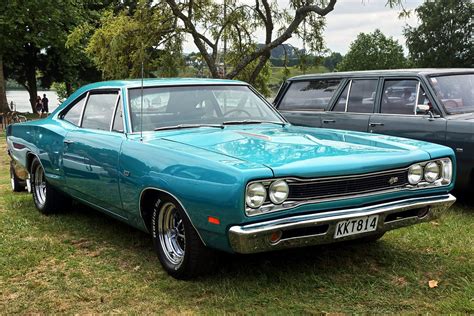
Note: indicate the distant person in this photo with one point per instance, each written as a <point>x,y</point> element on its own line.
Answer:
<point>38,105</point>
<point>45,103</point>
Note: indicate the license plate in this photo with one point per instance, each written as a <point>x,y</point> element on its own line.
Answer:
<point>355,226</point>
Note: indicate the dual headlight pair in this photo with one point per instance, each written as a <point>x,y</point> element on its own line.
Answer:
<point>435,171</point>
<point>257,193</point>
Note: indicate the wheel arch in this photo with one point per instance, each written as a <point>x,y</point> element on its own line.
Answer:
<point>148,196</point>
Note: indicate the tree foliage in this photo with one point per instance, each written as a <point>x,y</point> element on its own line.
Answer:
<point>445,36</point>
<point>33,40</point>
<point>331,61</point>
<point>213,25</point>
<point>125,40</point>
<point>373,51</point>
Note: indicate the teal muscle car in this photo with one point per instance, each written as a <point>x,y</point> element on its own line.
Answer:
<point>206,165</point>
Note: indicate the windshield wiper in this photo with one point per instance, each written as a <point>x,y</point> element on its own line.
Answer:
<point>181,126</point>
<point>252,122</point>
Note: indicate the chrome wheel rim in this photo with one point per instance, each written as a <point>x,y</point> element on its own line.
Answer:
<point>171,233</point>
<point>40,186</point>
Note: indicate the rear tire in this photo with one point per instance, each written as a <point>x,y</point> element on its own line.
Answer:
<point>47,199</point>
<point>17,184</point>
<point>180,249</point>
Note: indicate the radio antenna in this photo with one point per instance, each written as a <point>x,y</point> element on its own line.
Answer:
<point>143,74</point>
<point>141,106</point>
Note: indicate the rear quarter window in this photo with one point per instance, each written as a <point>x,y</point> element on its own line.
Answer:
<point>310,95</point>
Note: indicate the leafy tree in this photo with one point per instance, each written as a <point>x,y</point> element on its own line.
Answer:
<point>331,61</point>
<point>373,51</point>
<point>125,40</point>
<point>445,36</point>
<point>33,40</point>
<point>214,24</point>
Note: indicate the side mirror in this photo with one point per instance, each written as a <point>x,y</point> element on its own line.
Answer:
<point>423,108</point>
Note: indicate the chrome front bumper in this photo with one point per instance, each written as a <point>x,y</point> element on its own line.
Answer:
<point>319,228</point>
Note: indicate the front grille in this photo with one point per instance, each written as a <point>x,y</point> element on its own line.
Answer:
<point>350,185</point>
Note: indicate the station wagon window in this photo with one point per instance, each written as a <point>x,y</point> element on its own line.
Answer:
<point>455,92</point>
<point>73,115</point>
<point>309,95</point>
<point>399,96</point>
<point>358,96</point>
<point>99,110</point>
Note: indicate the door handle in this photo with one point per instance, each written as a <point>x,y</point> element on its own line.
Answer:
<point>329,121</point>
<point>375,124</point>
<point>68,141</point>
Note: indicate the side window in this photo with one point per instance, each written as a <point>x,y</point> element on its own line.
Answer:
<point>358,96</point>
<point>73,115</point>
<point>400,96</point>
<point>309,95</point>
<point>362,96</point>
<point>99,110</point>
<point>118,118</point>
<point>341,102</point>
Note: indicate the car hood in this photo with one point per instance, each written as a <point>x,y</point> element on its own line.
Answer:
<point>307,152</point>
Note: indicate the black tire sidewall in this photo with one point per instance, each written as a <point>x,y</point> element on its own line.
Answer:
<point>173,269</point>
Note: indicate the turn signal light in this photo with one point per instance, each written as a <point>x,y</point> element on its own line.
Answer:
<point>213,220</point>
<point>275,236</point>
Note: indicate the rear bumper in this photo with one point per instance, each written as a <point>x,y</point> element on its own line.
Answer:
<point>319,228</point>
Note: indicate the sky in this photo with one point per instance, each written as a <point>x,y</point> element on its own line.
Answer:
<point>349,18</point>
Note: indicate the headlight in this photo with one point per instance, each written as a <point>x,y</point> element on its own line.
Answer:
<point>255,195</point>
<point>278,191</point>
<point>432,172</point>
<point>415,174</point>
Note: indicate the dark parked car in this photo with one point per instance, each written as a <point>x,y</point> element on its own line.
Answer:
<point>435,105</point>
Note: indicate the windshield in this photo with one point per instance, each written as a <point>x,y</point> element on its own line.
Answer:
<point>455,92</point>
<point>197,106</point>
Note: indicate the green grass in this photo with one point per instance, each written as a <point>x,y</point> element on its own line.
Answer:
<point>84,262</point>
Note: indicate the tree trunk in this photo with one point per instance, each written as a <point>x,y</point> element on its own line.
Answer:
<point>3,92</point>
<point>31,87</point>
<point>68,88</point>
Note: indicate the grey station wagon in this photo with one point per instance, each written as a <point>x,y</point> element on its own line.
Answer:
<point>434,105</point>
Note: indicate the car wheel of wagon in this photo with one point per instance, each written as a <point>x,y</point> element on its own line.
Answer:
<point>180,249</point>
<point>17,184</point>
<point>47,199</point>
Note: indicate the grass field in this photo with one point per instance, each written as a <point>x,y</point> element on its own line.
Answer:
<point>84,262</point>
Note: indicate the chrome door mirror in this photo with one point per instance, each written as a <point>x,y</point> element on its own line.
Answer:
<point>422,108</point>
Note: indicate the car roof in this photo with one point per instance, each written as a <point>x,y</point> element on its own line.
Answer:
<point>136,83</point>
<point>387,72</point>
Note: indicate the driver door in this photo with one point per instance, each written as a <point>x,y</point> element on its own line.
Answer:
<point>91,154</point>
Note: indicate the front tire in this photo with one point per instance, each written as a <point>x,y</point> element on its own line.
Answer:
<point>180,249</point>
<point>17,184</point>
<point>47,199</point>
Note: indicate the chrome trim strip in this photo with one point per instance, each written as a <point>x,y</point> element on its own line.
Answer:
<point>416,98</point>
<point>174,197</point>
<point>347,97</point>
<point>254,238</point>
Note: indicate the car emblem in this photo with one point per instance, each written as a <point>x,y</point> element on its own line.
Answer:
<point>393,180</point>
